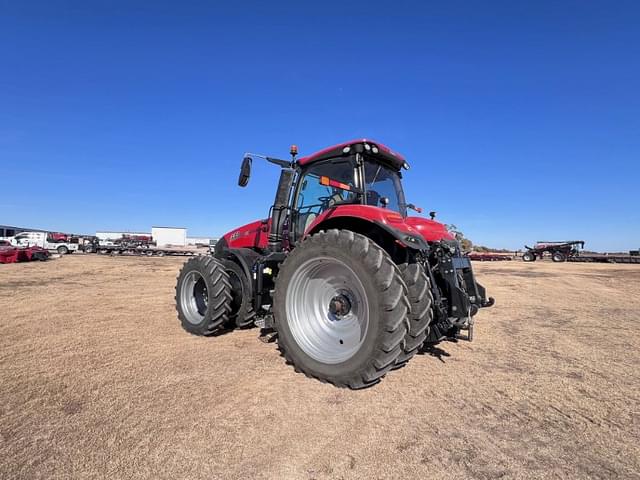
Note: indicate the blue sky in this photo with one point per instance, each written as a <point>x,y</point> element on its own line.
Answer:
<point>521,119</point>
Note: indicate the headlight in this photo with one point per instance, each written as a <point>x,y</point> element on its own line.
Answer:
<point>412,240</point>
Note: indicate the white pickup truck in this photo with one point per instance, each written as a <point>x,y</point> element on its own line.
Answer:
<point>41,239</point>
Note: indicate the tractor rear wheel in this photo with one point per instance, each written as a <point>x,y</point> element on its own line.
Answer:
<point>421,299</point>
<point>559,257</point>
<point>203,295</point>
<point>341,309</point>
<point>242,312</point>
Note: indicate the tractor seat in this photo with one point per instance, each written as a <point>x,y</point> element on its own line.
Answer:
<point>373,198</point>
<point>335,198</point>
<point>305,220</point>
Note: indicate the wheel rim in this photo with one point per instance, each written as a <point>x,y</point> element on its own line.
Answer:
<point>194,297</point>
<point>327,310</point>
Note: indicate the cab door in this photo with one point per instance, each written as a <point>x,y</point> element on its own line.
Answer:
<point>312,198</point>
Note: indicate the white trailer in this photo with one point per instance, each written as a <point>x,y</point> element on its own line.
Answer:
<point>164,236</point>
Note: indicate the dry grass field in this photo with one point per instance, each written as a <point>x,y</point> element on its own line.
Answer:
<point>98,380</point>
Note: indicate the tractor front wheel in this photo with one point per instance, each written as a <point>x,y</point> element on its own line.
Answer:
<point>203,295</point>
<point>341,309</point>
<point>529,257</point>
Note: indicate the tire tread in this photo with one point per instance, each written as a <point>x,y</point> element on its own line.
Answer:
<point>421,316</point>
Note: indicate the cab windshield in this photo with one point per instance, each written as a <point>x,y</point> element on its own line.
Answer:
<point>382,185</point>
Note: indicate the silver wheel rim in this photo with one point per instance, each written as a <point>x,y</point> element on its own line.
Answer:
<point>327,310</point>
<point>194,297</point>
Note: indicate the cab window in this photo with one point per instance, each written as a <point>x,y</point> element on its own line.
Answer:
<point>383,187</point>
<point>314,198</point>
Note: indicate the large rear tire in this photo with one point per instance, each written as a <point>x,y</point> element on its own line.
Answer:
<point>421,299</point>
<point>341,309</point>
<point>203,295</point>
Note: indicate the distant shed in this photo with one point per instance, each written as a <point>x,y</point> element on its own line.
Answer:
<point>164,236</point>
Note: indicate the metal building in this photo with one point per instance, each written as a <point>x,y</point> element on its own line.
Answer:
<point>164,236</point>
<point>10,231</point>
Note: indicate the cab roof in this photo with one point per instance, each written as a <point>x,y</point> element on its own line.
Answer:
<point>384,152</point>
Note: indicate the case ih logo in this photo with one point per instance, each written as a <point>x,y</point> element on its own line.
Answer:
<point>235,235</point>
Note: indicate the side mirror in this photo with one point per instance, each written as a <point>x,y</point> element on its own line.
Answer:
<point>432,214</point>
<point>384,201</point>
<point>245,172</point>
<point>414,208</point>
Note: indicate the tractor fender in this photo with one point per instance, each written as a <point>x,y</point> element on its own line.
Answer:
<point>406,237</point>
<point>244,257</point>
<point>412,240</point>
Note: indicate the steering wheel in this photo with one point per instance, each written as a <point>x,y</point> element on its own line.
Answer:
<point>325,201</point>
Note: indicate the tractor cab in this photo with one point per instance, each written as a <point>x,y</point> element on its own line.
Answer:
<point>325,183</point>
<point>358,183</point>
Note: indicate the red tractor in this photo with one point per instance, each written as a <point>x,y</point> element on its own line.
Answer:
<point>348,282</point>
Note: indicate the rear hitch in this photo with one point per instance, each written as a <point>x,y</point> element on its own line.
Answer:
<point>490,302</point>
<point>463,324</point>
<point>267,335</point>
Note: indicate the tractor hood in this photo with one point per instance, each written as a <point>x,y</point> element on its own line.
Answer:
<point>430,230</point>
<point>251,235</point>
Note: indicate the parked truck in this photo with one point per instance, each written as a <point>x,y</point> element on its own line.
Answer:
<point>42,240</point>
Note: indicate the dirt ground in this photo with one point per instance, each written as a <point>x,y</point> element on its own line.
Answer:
<point>98,380</point>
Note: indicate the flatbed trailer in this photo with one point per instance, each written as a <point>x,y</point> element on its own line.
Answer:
<point>148,252</point>
<point>605,259</point>
<point>489,257</point>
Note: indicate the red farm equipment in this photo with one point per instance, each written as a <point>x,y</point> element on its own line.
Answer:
<point>570,251</point>
<point>135,241</point>
<point>349,284</point>
<point>12,254</point>
<point>54,237</point>
<point>559,251</point>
